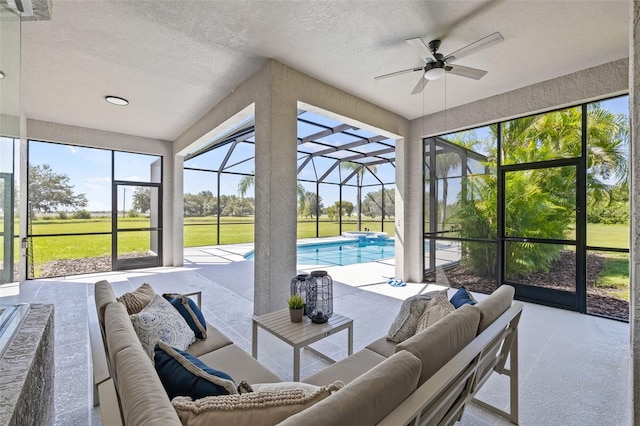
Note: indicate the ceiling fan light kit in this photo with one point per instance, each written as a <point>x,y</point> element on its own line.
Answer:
<point>434,73</point>
<point>437,65</point>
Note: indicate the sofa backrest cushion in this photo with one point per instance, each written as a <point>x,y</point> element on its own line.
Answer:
<point>142,397</point>
<point>369,398</point>
<point>436,345</point>
<point>103,294</point>
<point>119,331</point>
<point>494,305</point>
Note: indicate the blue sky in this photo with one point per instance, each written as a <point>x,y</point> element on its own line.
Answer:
<point>89,169</point>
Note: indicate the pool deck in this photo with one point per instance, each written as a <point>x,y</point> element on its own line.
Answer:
<point>229,261</point>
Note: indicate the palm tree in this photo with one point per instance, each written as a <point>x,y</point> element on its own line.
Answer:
<point>348,165</point>
<point>246,183</point>
<point>250,180</point>
<point>302,199</point>
<point>540,202</point>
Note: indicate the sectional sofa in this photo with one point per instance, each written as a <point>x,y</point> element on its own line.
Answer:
<point>432,375</point>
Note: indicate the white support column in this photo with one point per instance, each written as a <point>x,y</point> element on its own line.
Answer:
<point>178,211</point>
<point>401,207</point>
<point>634,122</point>
<point>275,197</point>
<point>410,226</point>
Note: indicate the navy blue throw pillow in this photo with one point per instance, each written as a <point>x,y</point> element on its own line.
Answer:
<point>462,297</point>
<point>190,312</point>
<point>182,374</point>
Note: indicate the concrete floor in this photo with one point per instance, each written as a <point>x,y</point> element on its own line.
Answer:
<point>574,369</point>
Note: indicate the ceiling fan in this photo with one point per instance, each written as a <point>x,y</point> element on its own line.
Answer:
<point>438,64</point>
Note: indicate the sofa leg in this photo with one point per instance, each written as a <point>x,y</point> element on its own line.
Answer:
<point>512,372</point>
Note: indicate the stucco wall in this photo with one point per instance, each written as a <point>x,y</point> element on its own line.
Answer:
<point>583,86</point>
<point>276,91</point>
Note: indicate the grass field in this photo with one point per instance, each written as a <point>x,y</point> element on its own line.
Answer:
<point>203,231</point>
<point>198,231</point>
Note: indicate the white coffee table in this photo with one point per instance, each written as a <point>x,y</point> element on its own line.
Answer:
<point>300,335</point>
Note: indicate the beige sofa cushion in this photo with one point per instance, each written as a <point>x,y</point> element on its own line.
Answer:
<point>494,305</point>
<point>238,364</point>
<point>142,397</point>
<point>265,408</point>
<point>346,370</point>
<point>382,346</point>
<point>119,330</point>
<point>103,294</point>
<point>215,340</point>
<point>436,345</point>
<point>369,398</point>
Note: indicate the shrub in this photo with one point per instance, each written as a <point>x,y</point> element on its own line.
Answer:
<point>531,211</point>
<point>63,215</point>
<point>82,214</point>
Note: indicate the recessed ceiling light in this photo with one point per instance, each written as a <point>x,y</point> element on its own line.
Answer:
<point>1,75</point>
<point>116,100</point>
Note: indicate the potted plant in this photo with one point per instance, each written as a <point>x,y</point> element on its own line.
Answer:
<point>296,308</point>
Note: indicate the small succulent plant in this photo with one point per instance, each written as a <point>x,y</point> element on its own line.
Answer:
<point>295,302</point>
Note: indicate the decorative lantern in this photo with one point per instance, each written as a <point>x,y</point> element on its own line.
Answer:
<point>319,307</point>
<point>299,287</point>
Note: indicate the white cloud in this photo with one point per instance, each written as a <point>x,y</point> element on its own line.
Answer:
<point>96,183</point>
<point>72,149</point>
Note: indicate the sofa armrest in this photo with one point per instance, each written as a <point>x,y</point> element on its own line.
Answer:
<point>109,408</point>
<point>198,295</point>
<point>98,356</point>
<point>442,398</point>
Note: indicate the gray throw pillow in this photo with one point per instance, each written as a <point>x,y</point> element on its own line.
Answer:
<point>404,326</point>
<point>438,308</point>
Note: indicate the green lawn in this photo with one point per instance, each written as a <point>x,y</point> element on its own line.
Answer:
<point>610,236</point>
<point>198,231</point>
<point>201,231</point>
<point>615,277</point>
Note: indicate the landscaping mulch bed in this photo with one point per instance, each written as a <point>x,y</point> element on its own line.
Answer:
<point>61,268</point>
<point>561,276</point>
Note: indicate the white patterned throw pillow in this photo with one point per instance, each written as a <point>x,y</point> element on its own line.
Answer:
<point>161,321</point>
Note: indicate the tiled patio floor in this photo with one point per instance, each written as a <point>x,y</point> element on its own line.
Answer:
<point>573,368</point>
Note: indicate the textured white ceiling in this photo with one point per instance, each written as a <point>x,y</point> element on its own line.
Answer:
<point>175,60</point>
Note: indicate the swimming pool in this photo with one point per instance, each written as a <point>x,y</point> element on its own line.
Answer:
<point>341,253</point>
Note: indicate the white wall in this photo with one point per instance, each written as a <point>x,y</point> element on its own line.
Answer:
<point>583,86</point>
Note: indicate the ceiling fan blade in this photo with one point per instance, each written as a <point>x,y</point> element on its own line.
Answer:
<point>420,86</point>
<point>472,48</point>
<point>474,73</point>
<point>420,48</point>
<point>393,74</point>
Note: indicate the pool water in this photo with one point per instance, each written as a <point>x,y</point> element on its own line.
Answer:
<point>342,253</point>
